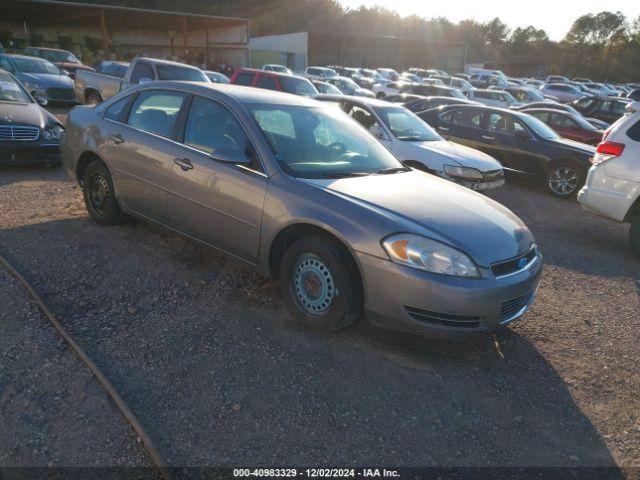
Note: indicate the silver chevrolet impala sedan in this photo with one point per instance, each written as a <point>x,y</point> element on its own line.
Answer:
<point>299,190</point>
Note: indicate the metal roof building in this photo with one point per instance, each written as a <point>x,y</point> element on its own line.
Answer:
<point>124,32</point>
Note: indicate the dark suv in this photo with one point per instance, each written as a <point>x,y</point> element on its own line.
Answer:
<point>519,141</point>
<point>608,109</point>
<point>280,82</point>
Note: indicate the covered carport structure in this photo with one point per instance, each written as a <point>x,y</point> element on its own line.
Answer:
<point>125,31</point>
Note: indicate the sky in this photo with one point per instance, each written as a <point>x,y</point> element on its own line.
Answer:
<point>554,16</point>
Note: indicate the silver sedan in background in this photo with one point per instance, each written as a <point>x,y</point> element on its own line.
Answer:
<point>302,192</point>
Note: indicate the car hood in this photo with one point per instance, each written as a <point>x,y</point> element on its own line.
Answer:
<point>454,153</point>
<point>30,114</point>
<point>578,147</point>
<point>424,204</point>
<point>47,79</point>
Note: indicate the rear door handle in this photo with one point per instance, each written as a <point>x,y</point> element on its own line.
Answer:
<point>184,163</point>
<point>444,129</point>
<point>117,138</point>
<point>488,137</point>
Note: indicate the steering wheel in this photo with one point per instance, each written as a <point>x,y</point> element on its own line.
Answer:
<point>338,146</point>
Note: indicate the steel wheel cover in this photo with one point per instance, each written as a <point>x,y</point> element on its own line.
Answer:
<point>313,285</point>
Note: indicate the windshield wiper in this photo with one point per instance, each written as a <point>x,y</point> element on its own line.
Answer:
<point>345,174</point>
<point>386,171</point>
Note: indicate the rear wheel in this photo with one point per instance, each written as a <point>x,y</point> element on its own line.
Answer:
<point>634,235</point>
<point>565,179</point>
<point>94,99</point>
<point>320,283</point>
<point>99,195</point>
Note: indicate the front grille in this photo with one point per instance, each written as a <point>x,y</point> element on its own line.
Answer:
<point>513,306</point>
<point>18,133</point>
<point>444,319</point>
<point>514,265</point>
<point>493,175</point>
<point>61,93</point>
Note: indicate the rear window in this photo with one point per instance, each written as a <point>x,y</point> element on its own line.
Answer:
<point>244,78</point>
<point>174,72</point>
<point>298,86</point>
<point>634,132</point>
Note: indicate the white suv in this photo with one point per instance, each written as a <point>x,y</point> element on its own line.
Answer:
<point>613,184</point>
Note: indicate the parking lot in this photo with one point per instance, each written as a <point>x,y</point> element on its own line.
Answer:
<point>218,373</point>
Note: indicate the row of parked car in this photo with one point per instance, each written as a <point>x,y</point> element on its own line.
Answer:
<point>455,137</point>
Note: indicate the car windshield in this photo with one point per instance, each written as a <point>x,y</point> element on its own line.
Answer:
<point>541,129</point>
<point>406,126</point>
<point>11,91</point>
<point>174,72</point>
<point>35,65</point>
<point>298,86</point>
<point>59,56</point>
<point>321,142</point>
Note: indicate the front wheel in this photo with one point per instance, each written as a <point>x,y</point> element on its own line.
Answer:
<point>320,284</point>
<point>565,179</point>
<point>634,235</point>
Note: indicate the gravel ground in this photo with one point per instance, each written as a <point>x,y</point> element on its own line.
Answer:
<point>208,359</point>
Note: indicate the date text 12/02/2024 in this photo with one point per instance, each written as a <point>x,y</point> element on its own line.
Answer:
<point>316,472</point>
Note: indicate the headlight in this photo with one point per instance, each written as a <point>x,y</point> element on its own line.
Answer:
<point>463,172</point>
<point>54,133</point>
<point>430,255</point>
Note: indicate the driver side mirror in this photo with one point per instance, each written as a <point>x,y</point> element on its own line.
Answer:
<point>377,131</point>
<point>233,155</point>
<point>522,135</point>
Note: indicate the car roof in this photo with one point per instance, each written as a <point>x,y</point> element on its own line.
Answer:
<point>239,93</point>
<point>548,110</point>
<point>373,102</point>
<point>265,72</point>
<point>27,57</point>
<point>49,49</point>
<point>164,62</point>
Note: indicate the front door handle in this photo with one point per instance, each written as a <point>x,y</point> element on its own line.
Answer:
<point>117,138</point>
<point>444,129</point>
<point>184,163</point>
<point>488,137</point>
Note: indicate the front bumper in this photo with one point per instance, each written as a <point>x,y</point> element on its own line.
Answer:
<point>490,182</point>
<point>14,153</point>
<point>606,196</point>
<point>419,302</point>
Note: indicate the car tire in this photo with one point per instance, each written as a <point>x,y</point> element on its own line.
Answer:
<point>94,99</point>
<point>634,235</point>
<point>99,195</point>
<point>320,284</point>
<point>565,179</point>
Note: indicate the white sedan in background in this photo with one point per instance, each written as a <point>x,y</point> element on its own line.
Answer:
<point>417,145</point>
<point>493,98</point>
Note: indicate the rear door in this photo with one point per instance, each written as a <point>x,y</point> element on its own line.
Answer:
<point>216,202</point>
<point>139,150</point>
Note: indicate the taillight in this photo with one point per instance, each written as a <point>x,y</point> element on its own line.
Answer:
<point>612,149</point>
<point>607,151</point>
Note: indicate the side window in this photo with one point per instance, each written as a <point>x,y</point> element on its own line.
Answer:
<point>244,78</point>
<point>562,121</point>
<point>542,116</point>
<point>604,107</point>
<point>141,70</point>
<point>268,82</point>
<point>585,103</point>
<point>156,111</point>
<point>6,65</point>
<point>500,123</point>
<point>634,131</point>
<point>211,126</point>
<point>364,118</point>
<point>618,108</point>
<point>114,111</point>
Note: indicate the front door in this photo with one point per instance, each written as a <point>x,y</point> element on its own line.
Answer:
<point>216,202</point>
